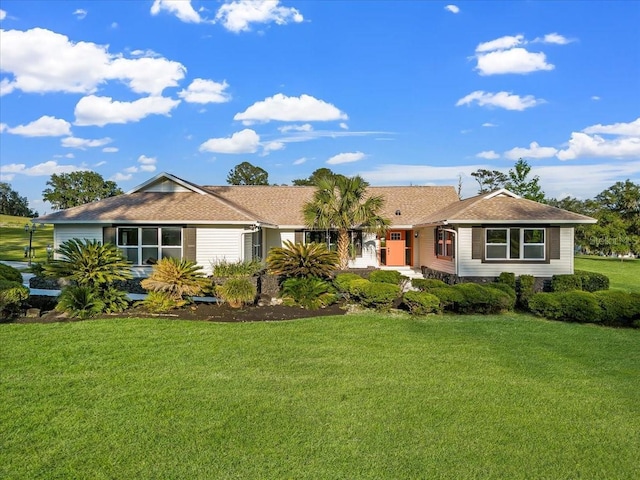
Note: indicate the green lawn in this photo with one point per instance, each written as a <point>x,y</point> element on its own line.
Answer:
<point>623,275</point>
<point>362,396</point>
<point>13,239</point>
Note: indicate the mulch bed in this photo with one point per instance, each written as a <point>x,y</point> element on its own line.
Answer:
<point>208,312</point>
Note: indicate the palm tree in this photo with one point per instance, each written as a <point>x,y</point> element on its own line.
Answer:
<point>342,204</point>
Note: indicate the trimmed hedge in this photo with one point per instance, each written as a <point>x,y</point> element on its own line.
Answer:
<point>421,303</point>
<point>9,273</point>
<point>565,283</point>
<point>474,298</point>
<point>342,281</point>
<point>12,295</point>
<point>392,277</point>
<point>380,296</point>
<point>592,281</point>
<point>619,309</point>
<point>507,278</point>
<point>425,284</point>
<point>525,290</point>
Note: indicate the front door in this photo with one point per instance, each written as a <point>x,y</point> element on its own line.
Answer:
<point>396,248</point>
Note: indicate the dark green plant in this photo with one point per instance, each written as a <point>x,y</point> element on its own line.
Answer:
<point>421,303</point>
<point>592,281</point>
<point>525,290</point>
<point>425,284</point>
<point>387,276</point>
<point>380,296</point>
<point>302,260</point>
<point>572,306</point>
<point>12,295</point>
<point>80,302</point>
<point>546,304</point>
<point>482,299</point>
<point>88,263</point>
<point>342,281</point>
<point>9,273</point>
<point>114,300</point>
<point>237,291</point>
<point>308,292</point>
<point>618,308</point>
<point>566,283</point>
<point>177,278</point>
<point>507,278</point>
<point>160,302</point>
<point>503,287</point>
<point>226,269</point>
<point>449,297</point>
<point>37,269</point>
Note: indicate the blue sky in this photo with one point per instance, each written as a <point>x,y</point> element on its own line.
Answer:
<point>401,93</point>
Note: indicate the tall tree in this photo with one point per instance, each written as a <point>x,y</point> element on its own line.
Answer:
<point>68,190</point>
<point>247,174</point>
<point>11,203</point>
<point>623,198</point>
<point>489,180</point>
<point>520,183</point>
<point>315,176</point>
<point>342,203</point>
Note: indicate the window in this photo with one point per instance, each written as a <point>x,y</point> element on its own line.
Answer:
<point>145,245</point>
<point>330,239</point>
<point>445,245</point>
<point>395,236</point>
<point>256,244</point>
<point>515,244</point>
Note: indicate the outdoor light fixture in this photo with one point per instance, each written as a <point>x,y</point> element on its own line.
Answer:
<point>398,212</point>
<point>28,251</point>
<point>49,252</point>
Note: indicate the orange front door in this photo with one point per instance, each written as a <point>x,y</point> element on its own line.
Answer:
<point>395,253</point>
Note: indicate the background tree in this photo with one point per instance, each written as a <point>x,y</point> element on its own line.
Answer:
<point>520,183</point>
<point>342,203</point>
<point>315,176</point>
<point>247,174</point>
<point>77,188</point>
<point>489,180</point>
<point>11,203</point>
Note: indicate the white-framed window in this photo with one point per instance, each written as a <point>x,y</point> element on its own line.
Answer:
<point>330,239</point>
<point>445,245</point>
<point>515,244</point>
<point>146,245</point>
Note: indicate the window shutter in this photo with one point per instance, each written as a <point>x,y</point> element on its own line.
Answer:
<point>299,237</point>
<point>477,242</point>
<point>435,242</point>
<point>189,244</point>
<point>108,235</point>
<point>553,234</point>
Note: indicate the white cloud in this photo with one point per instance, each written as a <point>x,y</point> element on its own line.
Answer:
<point>346,158</point>
<point>147,164</point>
<point>534,151</point>
<point>100,111</point>
<point>595,98</point>
<point>237,16</point>
<point>514,60</point>
<point>121,177</point>
<point>489,124</point>
<point>629,129</point>
<point>344,126</point>
<point>504,100</point>
<point>300,161</point>
<point>3,127</point>
<point>452,8</point>
<point>553,38</point>
<point>272,147</point>
<point>80,13</point>
<point>180,8</point>
<point>41,169</point>
<point>290,109</point>
<point>45,126</point>
<point>244,141</point>
<point>44,61</point>
<point>205,91</point>
<point>99,164</point>
<point>131,169</point>
<point>583,145</point>
<point>3,14</point>
<point>307,127</point>
<point>83,143</point>
<point>110,149</point>
<point>488,154</point>
<point>502,43</point>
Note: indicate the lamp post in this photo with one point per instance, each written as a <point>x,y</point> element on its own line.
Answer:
<point>49,252</point>
<point>30,229</point>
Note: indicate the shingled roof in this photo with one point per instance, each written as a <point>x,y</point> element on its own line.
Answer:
<point>502,206</point>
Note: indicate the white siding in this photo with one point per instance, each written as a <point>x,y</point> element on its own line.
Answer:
<point>469,267</point>
<point>219,243</point>
<point>166,186</point>
<point>369,256</point>
<point>427,256</point>
<point>62,233</point>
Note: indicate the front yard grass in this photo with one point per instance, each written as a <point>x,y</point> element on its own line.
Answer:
<point>357,396</point>
<point>623,274</point>
<point>13,239</point>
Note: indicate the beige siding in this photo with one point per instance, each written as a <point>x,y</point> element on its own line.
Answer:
<point>426,254</point>
<point>219,243</point>
<point>165,186</point>
<point>62,233</point>
<point>475,268</point>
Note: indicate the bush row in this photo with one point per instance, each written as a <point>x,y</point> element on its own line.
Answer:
<point>608,307</point>
<point>12,292</point>
<point>580,280</point>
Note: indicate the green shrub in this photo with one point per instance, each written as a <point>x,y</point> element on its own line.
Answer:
<point>343,280</point>
<point>37,269</point>
<point>566,283</point>
<point>225,269</point>
<point>546,305</point>
<point>9,273</point>
<point>302,260</point>
<point>421,303</point>
<point>507,278</point>
<point>115,301</point>
<point>160,302</point>
<point>592,281</point>
<point>387,276</point>
<point>237,291</point>
<point>177,278</point>
<point>12,295</point>
<point>380,296</point>
<point>356,287</point>
<point>618,308</point>
<point>503,287</point>
<point>80,302</point>
<point>482,299</point>
<point>449,297</point>
<point>425,284</point>
<point>526,290</point>
<point>308,292</point>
